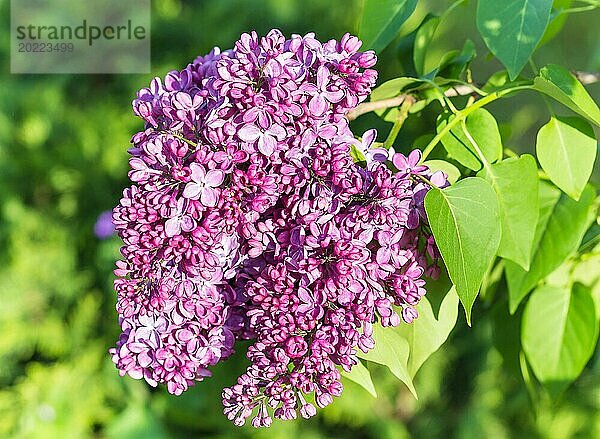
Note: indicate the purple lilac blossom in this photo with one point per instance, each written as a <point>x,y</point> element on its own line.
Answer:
<point>248,219</point>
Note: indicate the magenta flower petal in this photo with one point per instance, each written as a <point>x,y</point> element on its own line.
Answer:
<point>334,96</point>
<point>323,76</point>
<point>187,223</point>
<point>249,133</point>
<point>318,105</point>
<point>192,190</point>
<point>266,145</point>
<point>369,137</point>
<point>378,154</point>
<point>414,157</point>
<point>250,115</point>
<point>308,138</point>
<point>209,197</point>
<point>136,373</point>
<point>439,179</point>
<point>383,255</point>
<point>198,172</point>
<point>400,161</point>
<point>214,178</point>
<point>172,226</point>
<point>247,218</point>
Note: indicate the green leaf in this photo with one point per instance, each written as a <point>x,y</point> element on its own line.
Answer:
<point>497,81</point>
<point>381,21</point>
<point>566,148</point>
<point>559,333</point>
<point>516,184</point>
<point>391,350</point>
<point>587,271</point>
<point>512,29</point>
<point>418,106</point>
<point>449,169</point>
<point>483,128</point>
<point>392,88</point>
<point>557,20</point>
<point>361,376</point>
<point>591,235</point>
<point>561,224</point>
<point>558,83</point>
<point>465,221</point>
<point>422,39</point>
<point>453,67</point>
<point>426,334</point>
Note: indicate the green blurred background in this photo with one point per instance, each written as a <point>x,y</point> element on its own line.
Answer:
<point>63,160</point>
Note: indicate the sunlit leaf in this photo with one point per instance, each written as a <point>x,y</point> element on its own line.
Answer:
<point>483,128</point>
<point>357,155</point>
<point>391,350</point>
<point>566,148</point>
<point>361,376</point>
<point>392,88</point>
<point>426,334</point>
<point>561,225</point>
<point>465,221</point>
<point>559,332</point>
<point>560,84</point>
<point>515,182</point>
<point>449,169</point>
<point>422,40</point>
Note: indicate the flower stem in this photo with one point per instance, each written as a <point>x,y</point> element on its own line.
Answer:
<point>189,142</point>
<point>425,180</point>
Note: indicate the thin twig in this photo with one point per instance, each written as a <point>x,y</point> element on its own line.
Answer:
<point>367,107</point>
<point>585,78</point>
<point>459,90</point>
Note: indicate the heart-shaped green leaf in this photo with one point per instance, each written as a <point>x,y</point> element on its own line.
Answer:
<point>422,40</point>
<point>559,332</point>
<point>465,220</point>
<point>566,148</point>
<point>515,182</point>
<point>511,29</point>
<point>392,88</point>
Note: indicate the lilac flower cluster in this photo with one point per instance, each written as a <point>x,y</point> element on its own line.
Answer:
<point>248,219</point>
